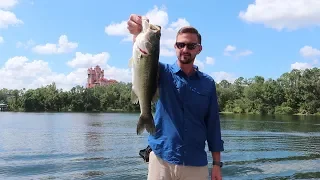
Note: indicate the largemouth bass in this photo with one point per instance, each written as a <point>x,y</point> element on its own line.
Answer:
<point>145,72</point>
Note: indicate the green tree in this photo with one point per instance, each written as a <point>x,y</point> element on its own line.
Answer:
<point>297,91</point>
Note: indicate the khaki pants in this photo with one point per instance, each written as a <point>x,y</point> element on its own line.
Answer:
<point>160,170</point>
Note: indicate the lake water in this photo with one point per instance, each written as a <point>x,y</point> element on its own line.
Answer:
<point>105,146</point>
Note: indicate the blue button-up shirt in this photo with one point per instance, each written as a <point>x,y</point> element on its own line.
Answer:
<point>187,115</point>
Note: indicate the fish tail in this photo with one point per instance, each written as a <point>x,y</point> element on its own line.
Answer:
<point>146,122</point>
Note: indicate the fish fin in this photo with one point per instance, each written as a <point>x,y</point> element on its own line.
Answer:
<point>155,96</point>
<point>146,122</point>
<point>134,97</point>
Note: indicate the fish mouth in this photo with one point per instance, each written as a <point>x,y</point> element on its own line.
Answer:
<point>155,27</point>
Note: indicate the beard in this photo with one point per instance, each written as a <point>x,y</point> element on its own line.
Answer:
<point>186,58</point>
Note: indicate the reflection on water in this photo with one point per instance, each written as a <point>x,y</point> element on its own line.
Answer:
<point>105,146</point>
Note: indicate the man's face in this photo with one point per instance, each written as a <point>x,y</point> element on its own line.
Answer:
<point>187,47</point>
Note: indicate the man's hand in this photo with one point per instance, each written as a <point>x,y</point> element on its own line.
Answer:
<point>134,25</point>
<point>216,173</point>
<point>216,170</point>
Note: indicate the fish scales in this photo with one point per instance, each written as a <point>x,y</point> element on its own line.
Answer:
<point>145,73</point>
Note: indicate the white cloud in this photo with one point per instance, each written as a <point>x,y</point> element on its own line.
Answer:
<point>19,66</point>
<point>63,46</point>
<point>119,74</point>
<point>8,18</point>
<point>157,16</point>
<point>301,66</point>
<point>1,40</point>
<point>283,14</point>
<point>117,29</point>
<point>308,51</point>
<point>63,81</point>
<point>26,45</point>
<point>311,54</point>
<point>82,60</point>
<point>315,61</point>
<point>199,63</point>
<point>244,53</point>
<point>221,75</point>
<point>210,60</point>
<point>6,4</point>
<point>230,49</point>
<point>19,72</point>
<point>167,52</point>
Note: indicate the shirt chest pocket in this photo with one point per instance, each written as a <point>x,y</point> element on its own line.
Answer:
<point>199,99</point>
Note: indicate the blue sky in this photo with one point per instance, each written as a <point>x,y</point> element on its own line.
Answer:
<point>240,38</point>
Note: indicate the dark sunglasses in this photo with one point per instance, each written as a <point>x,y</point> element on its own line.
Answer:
<point>190,46</point>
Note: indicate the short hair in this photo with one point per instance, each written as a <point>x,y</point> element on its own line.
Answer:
<point>190,29</point>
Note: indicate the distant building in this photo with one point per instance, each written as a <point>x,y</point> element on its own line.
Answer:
<point>96,78</point>
<point>3,107</point>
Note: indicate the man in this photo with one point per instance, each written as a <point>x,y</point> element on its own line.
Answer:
<point>186,115</point>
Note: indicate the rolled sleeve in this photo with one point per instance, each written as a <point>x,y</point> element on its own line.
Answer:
<point>215,143</point>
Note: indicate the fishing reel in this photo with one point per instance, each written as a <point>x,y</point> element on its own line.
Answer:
<point>144,154</point>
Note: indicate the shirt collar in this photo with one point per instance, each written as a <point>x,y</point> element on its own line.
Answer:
<point>175,68</point>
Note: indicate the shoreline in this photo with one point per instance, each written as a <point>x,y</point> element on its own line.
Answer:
<point>296,114</point>
<point>137,112</point>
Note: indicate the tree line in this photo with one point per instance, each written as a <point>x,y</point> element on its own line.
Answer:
<point>294,92</point>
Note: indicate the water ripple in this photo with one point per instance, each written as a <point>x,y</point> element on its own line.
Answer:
<point>105,146</point>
